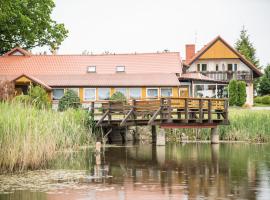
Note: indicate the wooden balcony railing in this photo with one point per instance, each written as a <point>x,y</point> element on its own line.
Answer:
<point>228,75</point>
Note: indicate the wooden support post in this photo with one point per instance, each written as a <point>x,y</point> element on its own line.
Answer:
<point>214,136</point>
<point>209,111</point>
<point>186,110</point>
<point>154,134</point>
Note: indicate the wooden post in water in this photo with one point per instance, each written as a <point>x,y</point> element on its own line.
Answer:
<point>154,134</point>
<point>214,136</point>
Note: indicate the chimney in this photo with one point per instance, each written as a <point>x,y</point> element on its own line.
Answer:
<point>190,51</point>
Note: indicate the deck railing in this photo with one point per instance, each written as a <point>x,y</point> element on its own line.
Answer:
<point>161,111</point>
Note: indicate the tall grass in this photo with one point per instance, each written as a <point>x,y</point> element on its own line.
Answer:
<point>245,125</point>
<point>30,137</point>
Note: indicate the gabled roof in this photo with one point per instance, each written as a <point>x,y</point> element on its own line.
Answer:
<point>33,79</point>
<point>17,49</point>
<point>211,43</point>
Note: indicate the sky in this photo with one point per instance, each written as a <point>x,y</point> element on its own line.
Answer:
<point>128,26</point>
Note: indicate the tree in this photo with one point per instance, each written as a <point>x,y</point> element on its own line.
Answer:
<point>241,93</point>
<point>28,24</point>
<point>37,97</point>
<point>233,92</point>
<point>69,100</point>
<point>264,85</point>
<point>118,96</point>
<point>246,48</point>
<point>237,93</point>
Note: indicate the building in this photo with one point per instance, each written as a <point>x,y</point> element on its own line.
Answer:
<point>208,72</point>
<point>138,76</point>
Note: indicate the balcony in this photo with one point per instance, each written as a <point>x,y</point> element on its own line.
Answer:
<point>228,75</point>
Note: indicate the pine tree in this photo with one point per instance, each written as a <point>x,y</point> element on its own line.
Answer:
<point>264,86</point>
<point>246,48</point>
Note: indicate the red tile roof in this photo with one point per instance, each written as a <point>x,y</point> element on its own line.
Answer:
<point>105,80</point>
<point>211,43</point>
<point>145,69</point>
<point>77,64</point>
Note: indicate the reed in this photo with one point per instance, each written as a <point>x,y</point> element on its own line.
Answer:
<point>30,137</point>
<point>245,125</point>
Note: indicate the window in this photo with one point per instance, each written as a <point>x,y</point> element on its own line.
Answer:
<point>135,93</point>
<point>166,92</point>
<point>204,67</point>
<point>58,94</point>
<point>91,69</point>
<point>230,66</point>
<point>103,93</point>
<point>198,67</point>
<point>76,90</point>
<point>235,67</point>
<point>120,68</point>
<point>152,92</point>
<point>217,67</point>
<point>208,91</point>
<point>89,94</point>
<point>124,91</point>
<point>223,67</point>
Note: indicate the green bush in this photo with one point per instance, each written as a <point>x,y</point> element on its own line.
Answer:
<point>258,99</point>
<point>242,94</point>
<point>118,96</point>
<point>232,92</point>
<point>37,97</point>
<point>266,100</point>
<point>69,100</point>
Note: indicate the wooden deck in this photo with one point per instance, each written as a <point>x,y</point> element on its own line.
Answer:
<point>165,112</point>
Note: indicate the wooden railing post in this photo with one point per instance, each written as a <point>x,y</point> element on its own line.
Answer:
<point>209,111</point>
<point>134,109</point>
<point>226,105</point>
<point>161,109</point>
<point>109,114</point>
<point>200,110</point>
<point>169,108</point>
<point>186,110</point>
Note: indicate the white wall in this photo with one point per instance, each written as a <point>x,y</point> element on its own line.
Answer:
<point>211,64</point>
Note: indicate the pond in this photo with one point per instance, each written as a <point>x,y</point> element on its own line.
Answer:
<point>144,171</point>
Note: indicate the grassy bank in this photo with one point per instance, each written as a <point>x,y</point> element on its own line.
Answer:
<point>245,125</point>
<point>30,137</point>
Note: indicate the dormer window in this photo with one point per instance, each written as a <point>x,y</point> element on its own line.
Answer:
<point>91,69</point>
<point>120,68</point>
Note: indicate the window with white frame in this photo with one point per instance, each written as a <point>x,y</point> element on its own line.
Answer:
<point>103,93</point>
<point>135,93</point>
<point>210,90</point>
<point>235,67</point>
<point>89,94</point>
<point>124,91</point>
<point>58,93</point>
<point>166,92</point>
<point>152,92</point>
<point>120,68</point>
<point>91,69</point>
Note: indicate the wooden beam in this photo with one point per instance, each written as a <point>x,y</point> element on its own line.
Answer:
<point>154,116</point>
<point>195,125</point>
<point>123,122</point>
<point>102,118</point>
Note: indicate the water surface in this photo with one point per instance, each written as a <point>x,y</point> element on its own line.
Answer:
<point>133,172</point>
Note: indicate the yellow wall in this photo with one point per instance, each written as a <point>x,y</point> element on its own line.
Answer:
<point>175,91</point>
<point>218,50</point>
